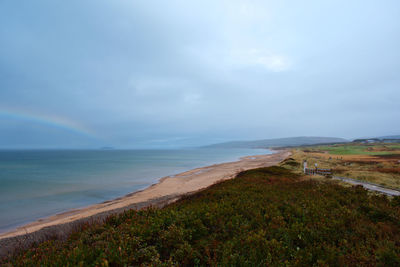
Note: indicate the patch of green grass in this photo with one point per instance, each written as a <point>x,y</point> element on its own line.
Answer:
<point>379,169</point>
<point>347,150</point>
<point>265,216</point>
<point>359,149</point>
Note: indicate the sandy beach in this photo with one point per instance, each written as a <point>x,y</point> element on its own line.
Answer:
<point>167,190</point>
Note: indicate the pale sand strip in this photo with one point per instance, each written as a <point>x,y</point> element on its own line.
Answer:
<point>167,190</point>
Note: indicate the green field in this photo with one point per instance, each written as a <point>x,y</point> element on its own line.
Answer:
<point>377,163</point>
<point>359,149</point>
<point>267,216</point>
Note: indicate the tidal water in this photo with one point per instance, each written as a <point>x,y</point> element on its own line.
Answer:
<point>39,183</point>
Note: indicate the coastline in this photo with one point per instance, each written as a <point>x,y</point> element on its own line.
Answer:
<point>167,190</point>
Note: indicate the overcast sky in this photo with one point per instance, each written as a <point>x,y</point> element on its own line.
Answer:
<point>130,73</point>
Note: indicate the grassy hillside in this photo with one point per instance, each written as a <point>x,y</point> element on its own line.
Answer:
<point>360,149</point>
<point>377,163</point>
<point>280,142</point>
<point>267,216</point>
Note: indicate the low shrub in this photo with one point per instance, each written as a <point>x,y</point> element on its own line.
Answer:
<point>265,216</point>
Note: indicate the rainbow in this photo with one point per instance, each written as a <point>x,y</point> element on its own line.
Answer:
<point>47,120</point>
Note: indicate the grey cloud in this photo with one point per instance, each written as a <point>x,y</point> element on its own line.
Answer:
<point>165,73</point>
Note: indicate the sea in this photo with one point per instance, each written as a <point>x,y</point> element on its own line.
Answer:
<point>38,183</point>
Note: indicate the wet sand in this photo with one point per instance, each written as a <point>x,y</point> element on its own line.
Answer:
<point>167,190</point>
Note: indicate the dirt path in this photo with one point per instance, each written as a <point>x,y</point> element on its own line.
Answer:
<point>369,186</point>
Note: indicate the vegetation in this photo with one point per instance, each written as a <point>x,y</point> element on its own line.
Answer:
<point>360,149</point>
<point>266,216</point>
<point>377,163</point>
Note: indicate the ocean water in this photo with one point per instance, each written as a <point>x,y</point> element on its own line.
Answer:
<point>39,183</point>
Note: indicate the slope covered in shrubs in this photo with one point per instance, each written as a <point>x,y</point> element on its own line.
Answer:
<point>266,216</point>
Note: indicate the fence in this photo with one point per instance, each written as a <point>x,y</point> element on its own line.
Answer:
<point>315,171</point>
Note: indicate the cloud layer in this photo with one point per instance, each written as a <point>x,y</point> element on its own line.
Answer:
<point>176,73</point>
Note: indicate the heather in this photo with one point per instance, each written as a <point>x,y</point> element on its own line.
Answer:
<point>267,216</point>
<point>377,163</point>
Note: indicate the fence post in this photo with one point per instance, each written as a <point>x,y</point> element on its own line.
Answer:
<point>304,166</point>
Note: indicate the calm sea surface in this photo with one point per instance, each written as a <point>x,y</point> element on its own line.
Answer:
<point>40,183</point>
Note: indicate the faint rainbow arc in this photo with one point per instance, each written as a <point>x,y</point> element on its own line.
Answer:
<point>51,121</point>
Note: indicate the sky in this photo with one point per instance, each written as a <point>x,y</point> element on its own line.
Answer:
<point>167,74</point>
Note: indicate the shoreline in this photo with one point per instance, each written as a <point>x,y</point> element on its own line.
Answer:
<point>120,172</point>
<point>167,190</point>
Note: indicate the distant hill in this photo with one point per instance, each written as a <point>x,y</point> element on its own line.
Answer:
<point>389,137</point>
<point>279,142</point>
<point>107,148</point>
<point>384,139</point>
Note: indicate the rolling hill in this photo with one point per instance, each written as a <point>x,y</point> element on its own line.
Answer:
<point>279,142</point>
